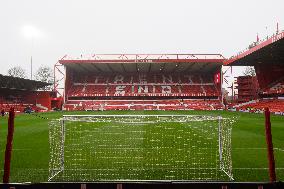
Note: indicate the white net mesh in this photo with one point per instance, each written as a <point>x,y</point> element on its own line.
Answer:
<point>140,147</point>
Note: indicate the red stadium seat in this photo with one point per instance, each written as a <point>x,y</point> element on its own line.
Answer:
<point>175,87</point>
<point>274,105</point>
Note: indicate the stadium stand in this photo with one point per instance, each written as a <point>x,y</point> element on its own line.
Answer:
<point>142,85</point>
<point>143,82</point>
<point>275,106</point>
<point>275,88</point>
<point>128,86</point>
<point>22,93</point>
<point>267,59</point>
<point>247,88</point>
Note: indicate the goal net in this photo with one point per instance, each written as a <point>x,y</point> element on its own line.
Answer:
<point>140,147</point>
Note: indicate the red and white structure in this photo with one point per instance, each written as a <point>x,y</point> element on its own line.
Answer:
<point>19,93</point>
<point>266,56</point>
<point>141,81</point>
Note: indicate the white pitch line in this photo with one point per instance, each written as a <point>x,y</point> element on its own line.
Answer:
<point>257,149</point>
<point>257,168</point>
<point>282,150</point>
<point>19,149</point>
<point>249,148</point>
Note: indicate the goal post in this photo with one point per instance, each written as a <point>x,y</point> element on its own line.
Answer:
<point>140,148</point>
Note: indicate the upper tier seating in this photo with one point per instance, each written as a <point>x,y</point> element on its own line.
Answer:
<point>142,85</point>
<point>150,85</point>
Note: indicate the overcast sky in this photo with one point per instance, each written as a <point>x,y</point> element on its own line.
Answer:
<point>48,30</point>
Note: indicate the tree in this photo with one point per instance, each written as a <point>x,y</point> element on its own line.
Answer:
<point>249,71</point>
<point>17,71</point>
<point>44,74</point>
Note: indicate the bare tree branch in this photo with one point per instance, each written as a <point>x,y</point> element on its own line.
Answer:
<point>44,74</point>
<point>17,72</point>
<point>249,71</point>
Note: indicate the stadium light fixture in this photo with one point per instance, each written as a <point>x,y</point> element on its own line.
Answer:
<point>31,32</point>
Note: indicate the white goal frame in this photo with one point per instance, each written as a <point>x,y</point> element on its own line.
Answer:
<point>57,139</point>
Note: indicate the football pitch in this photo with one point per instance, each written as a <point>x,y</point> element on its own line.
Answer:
<point>31,151</point>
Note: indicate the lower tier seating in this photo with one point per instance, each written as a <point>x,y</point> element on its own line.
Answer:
<point>274,105</point>
<point>276,88</point>
<point>173,104</point>
<point>17,107</point>
<point>143,90</point>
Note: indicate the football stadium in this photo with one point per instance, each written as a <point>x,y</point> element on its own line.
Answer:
<point>147,120</point>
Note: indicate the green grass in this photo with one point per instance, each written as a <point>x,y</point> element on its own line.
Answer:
<point>146,149</point>
<point>30,157</point>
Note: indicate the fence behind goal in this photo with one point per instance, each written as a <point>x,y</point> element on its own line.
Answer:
<point>140,147</point>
